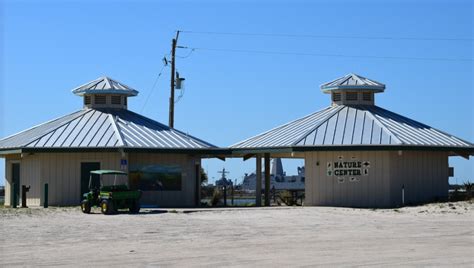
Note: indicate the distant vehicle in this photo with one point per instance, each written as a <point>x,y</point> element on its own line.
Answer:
<point>110,197</point>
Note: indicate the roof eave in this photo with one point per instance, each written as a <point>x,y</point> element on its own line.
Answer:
<point>129,93</point>
<point>207,151</point>
<point>375,89</point>
<point>362,147</point>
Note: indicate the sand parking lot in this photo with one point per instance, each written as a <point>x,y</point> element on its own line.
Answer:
<point>428,235</point>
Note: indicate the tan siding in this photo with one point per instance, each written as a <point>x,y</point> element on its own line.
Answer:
<point>30,169</point>
<point>62,172</point>
<point>424,175</point>
<point>371,191</point>
<point>8,161</point>
<point>7,182</point>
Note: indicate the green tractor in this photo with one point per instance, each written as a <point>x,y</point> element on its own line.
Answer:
<point>110,197</point>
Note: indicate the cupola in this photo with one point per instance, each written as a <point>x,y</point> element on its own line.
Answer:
<point>105,92</point>
<point>352,89</point>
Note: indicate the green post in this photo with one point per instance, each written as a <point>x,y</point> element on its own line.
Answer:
<point>14,196</point>
<point>45,204</point>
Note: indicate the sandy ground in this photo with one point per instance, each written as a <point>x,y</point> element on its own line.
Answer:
<point>431,235</point>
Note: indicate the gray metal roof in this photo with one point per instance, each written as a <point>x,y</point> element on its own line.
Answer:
<point>353,82</point>
<point>353,125</point>
<point>102,128</point>
<point>104,85</point>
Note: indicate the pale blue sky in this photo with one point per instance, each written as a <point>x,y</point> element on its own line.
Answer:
<point>52,47</point>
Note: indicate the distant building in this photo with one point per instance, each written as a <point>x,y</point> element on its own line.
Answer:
<point>223,181</point>
<point>278,179</point>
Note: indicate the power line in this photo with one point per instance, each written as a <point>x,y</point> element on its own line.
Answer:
<point>153,87</point>
<point>187,55</point>
<point>361,37</point>
<point>329,55</point>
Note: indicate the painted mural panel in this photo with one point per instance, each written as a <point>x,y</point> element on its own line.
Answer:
<point>156,177</point>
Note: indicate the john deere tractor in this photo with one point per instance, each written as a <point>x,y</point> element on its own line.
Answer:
<point>110,197</point>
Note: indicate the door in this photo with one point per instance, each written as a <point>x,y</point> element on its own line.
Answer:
<point>15,189</point>
<point>86,168</point>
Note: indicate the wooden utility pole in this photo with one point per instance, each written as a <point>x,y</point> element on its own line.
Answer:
<point>173,61</point>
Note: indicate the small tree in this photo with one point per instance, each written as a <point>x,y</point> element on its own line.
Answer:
<point>216,197</point>
<point>468,187</point>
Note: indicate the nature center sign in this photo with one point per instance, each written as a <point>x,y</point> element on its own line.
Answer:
<point>351,169</point>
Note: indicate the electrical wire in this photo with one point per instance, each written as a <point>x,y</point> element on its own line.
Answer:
<point>153,87</point>
<point>334,36</point>
<point>187,56</point>
<point>329,55</point>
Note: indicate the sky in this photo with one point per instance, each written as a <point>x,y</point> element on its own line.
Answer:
<point>47,49</point>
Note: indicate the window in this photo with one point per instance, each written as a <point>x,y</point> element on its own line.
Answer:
<point>336,96</point>
<point>155,177</point>
<point>124,100</point>
<point>367,96</point>
<point>87,100</point>
<point>116,99</point>
<point>351,96</point>
<point>100,99</point>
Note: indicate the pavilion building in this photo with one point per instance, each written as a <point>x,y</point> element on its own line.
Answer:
<point>161,161</point>
<point>358,154</point>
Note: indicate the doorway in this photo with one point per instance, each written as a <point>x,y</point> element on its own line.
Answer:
<point>86,168</point>
<point>15,192</point>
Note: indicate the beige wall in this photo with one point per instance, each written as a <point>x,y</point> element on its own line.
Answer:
<point>8,170</point>
<point>62,172</point>
<point>423,174</point>
<point>370,191</point>
<point>184,198</point>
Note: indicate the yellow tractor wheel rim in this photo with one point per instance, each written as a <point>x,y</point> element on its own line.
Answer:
<point>104,206</point>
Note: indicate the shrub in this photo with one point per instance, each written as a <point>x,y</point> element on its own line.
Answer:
<point>216,197</point>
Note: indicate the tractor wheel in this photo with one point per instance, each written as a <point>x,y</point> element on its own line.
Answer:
<point>86,207</point>
<point>106,207</point>
<point>135,208</point>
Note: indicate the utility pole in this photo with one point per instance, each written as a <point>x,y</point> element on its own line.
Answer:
<point>173,62</point>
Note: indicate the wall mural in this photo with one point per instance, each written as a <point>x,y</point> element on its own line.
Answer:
<point>350,170</point>
<point>155,177</point>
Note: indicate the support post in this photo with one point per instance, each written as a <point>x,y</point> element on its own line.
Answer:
<point>267,179</point>
<point>24,190</point>
<point>225,195</point>
<point>45,203</point>
<point>403,194</point>
<point>14,198</point>
<point>258,181</point>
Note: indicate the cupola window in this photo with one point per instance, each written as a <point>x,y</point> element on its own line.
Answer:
<point>351,96</point>
<point>367,96</point>
<point>117,100</point>
<point>87,100</point>
<point>100,99</point>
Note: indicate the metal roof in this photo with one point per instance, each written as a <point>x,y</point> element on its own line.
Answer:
<point>353,82</point>
<point>102,128</point>
<point>104,85</point>
<point>343,125</point>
